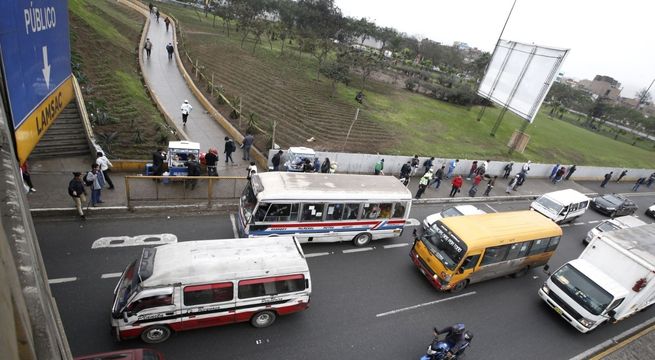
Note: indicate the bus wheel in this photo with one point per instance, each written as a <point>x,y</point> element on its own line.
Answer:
<point>263,319</point>
<point>521,272</point>
<point>362,239</point>
<point>155,334</point>
<point>459,286</point>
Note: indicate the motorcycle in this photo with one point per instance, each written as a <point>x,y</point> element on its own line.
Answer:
<point>440,349</point>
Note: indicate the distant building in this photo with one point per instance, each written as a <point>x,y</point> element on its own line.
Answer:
<point>461,45</point>
<point>604,86</point>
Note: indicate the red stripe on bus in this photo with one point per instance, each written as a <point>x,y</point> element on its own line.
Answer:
<point>321,224</point>
<point>208,287</point>
<point>271,279</point>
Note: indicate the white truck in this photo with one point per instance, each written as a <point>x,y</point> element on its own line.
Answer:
<point>613,278</point>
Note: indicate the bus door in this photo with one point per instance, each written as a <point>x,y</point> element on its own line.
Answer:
<point>468,268</point>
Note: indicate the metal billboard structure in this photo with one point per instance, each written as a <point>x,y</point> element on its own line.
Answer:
<point>519,76</point>
<point>36,66</point>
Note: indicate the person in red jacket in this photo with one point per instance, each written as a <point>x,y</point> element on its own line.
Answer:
<point>457,184</point>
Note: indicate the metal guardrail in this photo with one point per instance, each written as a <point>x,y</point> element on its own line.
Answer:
<point>181,189</point>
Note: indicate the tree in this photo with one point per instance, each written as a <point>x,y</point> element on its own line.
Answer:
<point>365,62</point>
<point>643,96</point>
<point>318,22</point>
<point>338,71</point>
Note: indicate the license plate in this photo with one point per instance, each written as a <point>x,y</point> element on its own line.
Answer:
<point>558,310</point>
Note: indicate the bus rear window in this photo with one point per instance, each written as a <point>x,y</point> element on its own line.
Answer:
<point>271,286</point>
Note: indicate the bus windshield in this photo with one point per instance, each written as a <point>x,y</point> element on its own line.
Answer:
<point>582,289</point>
<point>444,245</point>
<point>128,285</point>
<point>248,202</point>
<point>549,204</point>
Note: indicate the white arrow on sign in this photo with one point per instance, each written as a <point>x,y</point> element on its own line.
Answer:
<point>46,67</point>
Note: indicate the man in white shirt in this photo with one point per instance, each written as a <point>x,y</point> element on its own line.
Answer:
<point>186,109</point>
<point>105,165</point>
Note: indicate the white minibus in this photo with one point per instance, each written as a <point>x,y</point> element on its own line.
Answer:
<point>561,206</point>
<point>198,284</point>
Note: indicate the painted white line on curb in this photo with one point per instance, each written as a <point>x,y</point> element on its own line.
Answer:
<point>394,246</point>
<point>424,304</point>
<point>593,221</point>
<point>139,240</point>
<point>110,275</point>
<point>316,254</point>
<point>61,280</point>
<point>357,250</point>
<point>234,226</point>
<point>492,209</point>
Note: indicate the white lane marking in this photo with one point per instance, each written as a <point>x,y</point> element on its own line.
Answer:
<point>110,275</point>
<point>357,250</point>
<point>424,304</point>
<point>578,223</point>
<point>412,222</point>
<point>234,226</point>
<point>391,246</point>
<point>61,280</point>
<point>492,209</point>
<point>316,254</point>
<point>565,225</point>
<point>593,221</point>
<point>139,240</point>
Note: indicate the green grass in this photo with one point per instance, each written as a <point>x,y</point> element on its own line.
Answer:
<point>98,23</point>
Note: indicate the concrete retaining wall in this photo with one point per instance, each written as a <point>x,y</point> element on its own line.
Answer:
<point>364,163</point>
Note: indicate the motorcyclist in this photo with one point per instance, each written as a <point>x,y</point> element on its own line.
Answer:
<point>454,337</point>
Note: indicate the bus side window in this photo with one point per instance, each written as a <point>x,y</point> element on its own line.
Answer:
<point>538,246</point>
<point>350,212</point>
<point>260,214</point>
<point>150,302</point>
<point>385,210</point>
<point>517,250</point>
<point>494,254</point>
<point>312,212</point>
<point>470,262</point>
<point>399,210</point>
<point>565,210</point>
<point>371,211</point>
<point>334,212</point>
<point>552,244</point>
<point>207,294</point>
<point>278,212</point>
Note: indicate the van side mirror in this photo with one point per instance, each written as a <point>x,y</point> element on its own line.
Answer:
<point>460,270</point>
<point>415,234</point>
<point>611,314</point>
<point>125,316</point>
<point>546,268</point>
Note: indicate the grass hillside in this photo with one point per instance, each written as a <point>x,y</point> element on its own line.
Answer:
<point>104,37</point>
<point>282,86</point>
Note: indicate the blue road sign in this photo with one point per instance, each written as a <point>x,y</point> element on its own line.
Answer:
<point>35,50</point>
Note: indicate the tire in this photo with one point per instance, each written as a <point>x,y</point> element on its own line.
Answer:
<point>459,286</point>
<point>263,319</point>
<point>523,271</point>
<point>362,239</point>
<point>156,334</point>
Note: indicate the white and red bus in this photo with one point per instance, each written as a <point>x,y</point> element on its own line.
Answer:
<point>324,207</point>
<point>198,284</point>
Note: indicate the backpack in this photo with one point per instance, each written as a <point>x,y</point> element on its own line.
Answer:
<point>426,162</point>
<point>231,146</point>
<point>87,182</point>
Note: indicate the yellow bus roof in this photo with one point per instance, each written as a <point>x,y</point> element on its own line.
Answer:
<point>482,231</point>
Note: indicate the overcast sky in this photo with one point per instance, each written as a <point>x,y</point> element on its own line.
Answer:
<point>606,37</point>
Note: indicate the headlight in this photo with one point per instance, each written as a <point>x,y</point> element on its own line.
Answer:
<point>610,208</point>
<point>445,276</point>
<point>586,322</point>
<point>545,289</point>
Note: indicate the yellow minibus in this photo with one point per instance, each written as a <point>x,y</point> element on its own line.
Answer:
<point>458,251</point>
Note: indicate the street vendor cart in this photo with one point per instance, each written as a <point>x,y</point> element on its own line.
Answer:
<point>178,154</point>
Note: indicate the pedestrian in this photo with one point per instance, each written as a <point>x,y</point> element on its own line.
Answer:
<point>325,166</point>
<point>157,14</point>
<point>474,187</point>
<point>27,177</point>
<point>482,168</point>
<point>519,180</point>
<point>150,7</point>
<point>148,47</point>
<point>606,179</point>
<point>276,160</point>
<point>317,165</point>
<point>427,165</point>
<point>248,140</point>
<point>571,171</point>
<point>474,167</point>
<point>623,173</point>
<point>230,147</point>
<point>333,167</point>
<point>651,179</point>
<point>78,193</point>
<point>406,169</point>
<point>451,168</point>
<point>640,181</point>
<point>508,169</point>
<point>170,49</point>
<point>158,158</point>
<point>490,185</point>
<point>512,183</point>
<point>438,176</point>
<point>423,184</point>
<point>553,171</point>
<point>186,109</point>
<point>415,162</point>
<point>252,169</point>
<point>96,182</point>
<point>559,174</point>
<point>526,167</point>
<point>379,167</point>
<point>167,21</point>
<point>457,184</point>
<point>211,159</point>
<point>193,169</point>
<point>307,166</point>
<point>105,167</point>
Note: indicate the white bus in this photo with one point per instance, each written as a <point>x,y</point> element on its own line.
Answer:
<point>196,284</point>
<point>324,207</point>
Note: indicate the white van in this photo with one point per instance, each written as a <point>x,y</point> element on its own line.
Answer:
<point>198,284</point>
<point>622,222</point>
<point>561,206</point>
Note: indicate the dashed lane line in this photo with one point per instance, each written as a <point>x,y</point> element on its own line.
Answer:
<point>310,255</point>
<point>492,209</point>
<point>110,275</point>
<point>593,221</point>
<point>392,312</point>
<point>356,250</point>
<point>61,280</point>
<point>234,226</point>
<point>391,246</point>
<point>578,223</point>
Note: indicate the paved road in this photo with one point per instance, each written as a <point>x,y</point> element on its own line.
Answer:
<point>351,290</point>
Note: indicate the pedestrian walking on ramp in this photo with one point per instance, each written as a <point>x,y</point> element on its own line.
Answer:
<point>186,109</point>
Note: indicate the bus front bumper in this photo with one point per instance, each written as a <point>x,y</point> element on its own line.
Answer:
<point>425,270</point>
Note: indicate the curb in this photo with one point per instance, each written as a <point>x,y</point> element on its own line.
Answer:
<point>614,343</point>
<point>145,209</point>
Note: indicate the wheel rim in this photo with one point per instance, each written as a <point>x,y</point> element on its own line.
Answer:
<point>459,286</point>
<point>156,334</point>
<point>263,319</point>
<point>362,239</point>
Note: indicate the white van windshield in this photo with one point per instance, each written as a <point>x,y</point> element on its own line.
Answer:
<point>549,204</point>
<point>128,285</point>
